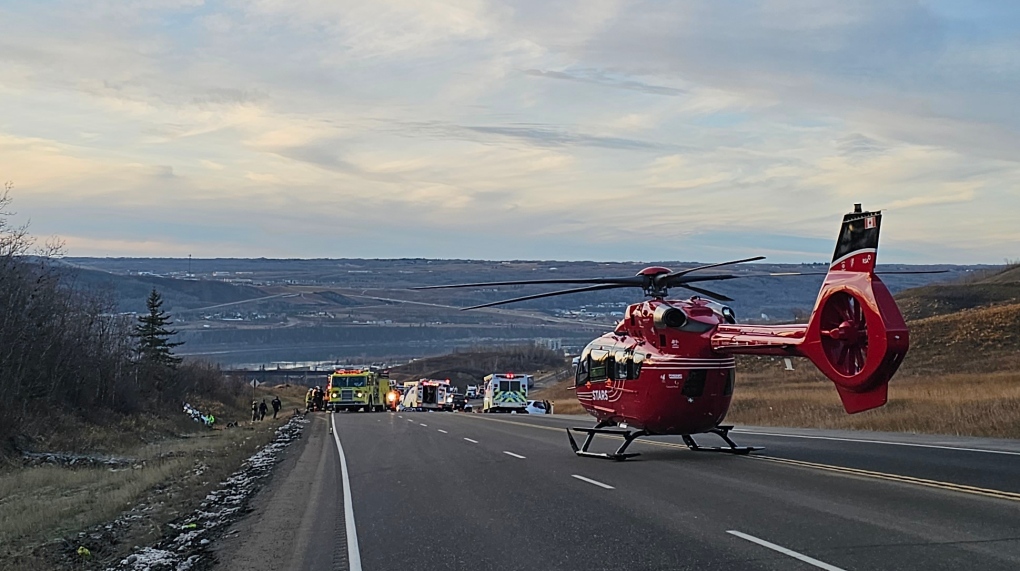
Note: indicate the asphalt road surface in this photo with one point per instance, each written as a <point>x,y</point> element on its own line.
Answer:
<point>432,491</point>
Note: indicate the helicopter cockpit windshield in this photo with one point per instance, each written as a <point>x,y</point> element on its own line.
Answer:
<point>597,365</point>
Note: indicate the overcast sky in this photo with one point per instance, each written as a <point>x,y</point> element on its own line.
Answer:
<point>588,129</point>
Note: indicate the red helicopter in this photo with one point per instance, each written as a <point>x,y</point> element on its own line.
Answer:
<point>668,367</point>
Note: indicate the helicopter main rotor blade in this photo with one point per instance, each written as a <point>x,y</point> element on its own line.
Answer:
<point>912,272</point>
<point>707,293</point>
<point>625,281</point>
<point>691,279</point>
<point>673,275</point>
<point>548,294</point>
<point>880,272</point>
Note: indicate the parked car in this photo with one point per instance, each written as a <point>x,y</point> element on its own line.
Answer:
<point>460,402</point>
<point>537,407</point>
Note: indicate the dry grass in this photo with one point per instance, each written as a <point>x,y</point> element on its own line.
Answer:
<point>46,502</point>
<point>972,404</point>
<point>172,474</point>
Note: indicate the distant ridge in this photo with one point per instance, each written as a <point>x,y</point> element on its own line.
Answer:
<point>964,327</point>
<point>928,301</point>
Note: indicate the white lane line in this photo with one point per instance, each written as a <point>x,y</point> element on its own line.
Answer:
<point>443,431</point>
<point>508,453</point>
<point>410,420</point>
<point>890,443</point>
<point>590,481</point>
<point>422,423</point>
<point>785,551</point>
<point>400,416</point>
<point>353,553</point>
<point>471,441</point>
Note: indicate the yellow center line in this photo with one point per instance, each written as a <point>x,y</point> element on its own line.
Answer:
<point>988,492</point>
<point>1001,494</point>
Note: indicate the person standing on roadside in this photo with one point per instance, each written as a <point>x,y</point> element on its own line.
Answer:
<point>263,408</point>
<point>254,411</point>
<point>277,405</point>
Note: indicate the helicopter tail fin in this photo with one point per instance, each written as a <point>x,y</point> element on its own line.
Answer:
<point>855,335</point>
<point>857,244</point>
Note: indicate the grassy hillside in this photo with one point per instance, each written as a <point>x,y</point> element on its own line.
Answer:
<point>983,289</point>
<point>1010,275</point>
<point>129,292</point>
<point>930,301</point>
<point>983,339</point>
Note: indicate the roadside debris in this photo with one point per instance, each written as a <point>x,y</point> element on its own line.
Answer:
<point>75,460</point>
<point>198,416</point>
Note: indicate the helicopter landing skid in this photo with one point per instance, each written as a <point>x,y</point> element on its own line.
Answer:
<point>724,433</point>
<point>620,454</point>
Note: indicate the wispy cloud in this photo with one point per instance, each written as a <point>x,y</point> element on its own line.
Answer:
<point>598,77</point>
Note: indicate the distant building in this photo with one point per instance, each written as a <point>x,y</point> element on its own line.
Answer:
<point>550,343</point>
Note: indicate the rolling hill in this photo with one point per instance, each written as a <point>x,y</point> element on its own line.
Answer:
<point>1001,287</point>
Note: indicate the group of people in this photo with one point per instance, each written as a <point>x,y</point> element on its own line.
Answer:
<point>314,398</point>
<point>259,410</point>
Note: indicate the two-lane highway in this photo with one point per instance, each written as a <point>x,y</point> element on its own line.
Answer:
<point>468,491</point>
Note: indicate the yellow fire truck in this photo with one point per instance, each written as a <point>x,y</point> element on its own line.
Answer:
<point>357,389</point>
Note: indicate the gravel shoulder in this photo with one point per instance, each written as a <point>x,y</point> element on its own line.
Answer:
<point>296,521</point>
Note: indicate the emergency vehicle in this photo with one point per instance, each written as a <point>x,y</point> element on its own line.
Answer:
<point>506,392</point>
<point>392,399</point>
<point>427,394</point>
<point>357,389</point>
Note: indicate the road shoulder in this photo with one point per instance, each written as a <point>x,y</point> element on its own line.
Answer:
<point>279,530</point>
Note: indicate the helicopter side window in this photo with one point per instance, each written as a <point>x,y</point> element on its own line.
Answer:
<point>582,371</point>
<point>622,369</point>
<point>598,365</point>
<point>611,368</point>
<point>635,365</point>
<point>618,368</point>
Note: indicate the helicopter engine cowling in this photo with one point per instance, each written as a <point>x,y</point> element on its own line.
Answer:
<point>668,316</point>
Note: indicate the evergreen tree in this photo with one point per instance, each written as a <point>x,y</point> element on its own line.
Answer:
<point>154,346</point>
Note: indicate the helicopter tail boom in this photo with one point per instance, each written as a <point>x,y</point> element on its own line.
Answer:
<point>855,335</point>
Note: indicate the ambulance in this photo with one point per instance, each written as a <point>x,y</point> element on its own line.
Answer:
<point>427,394</point>
<point>506,392</point>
